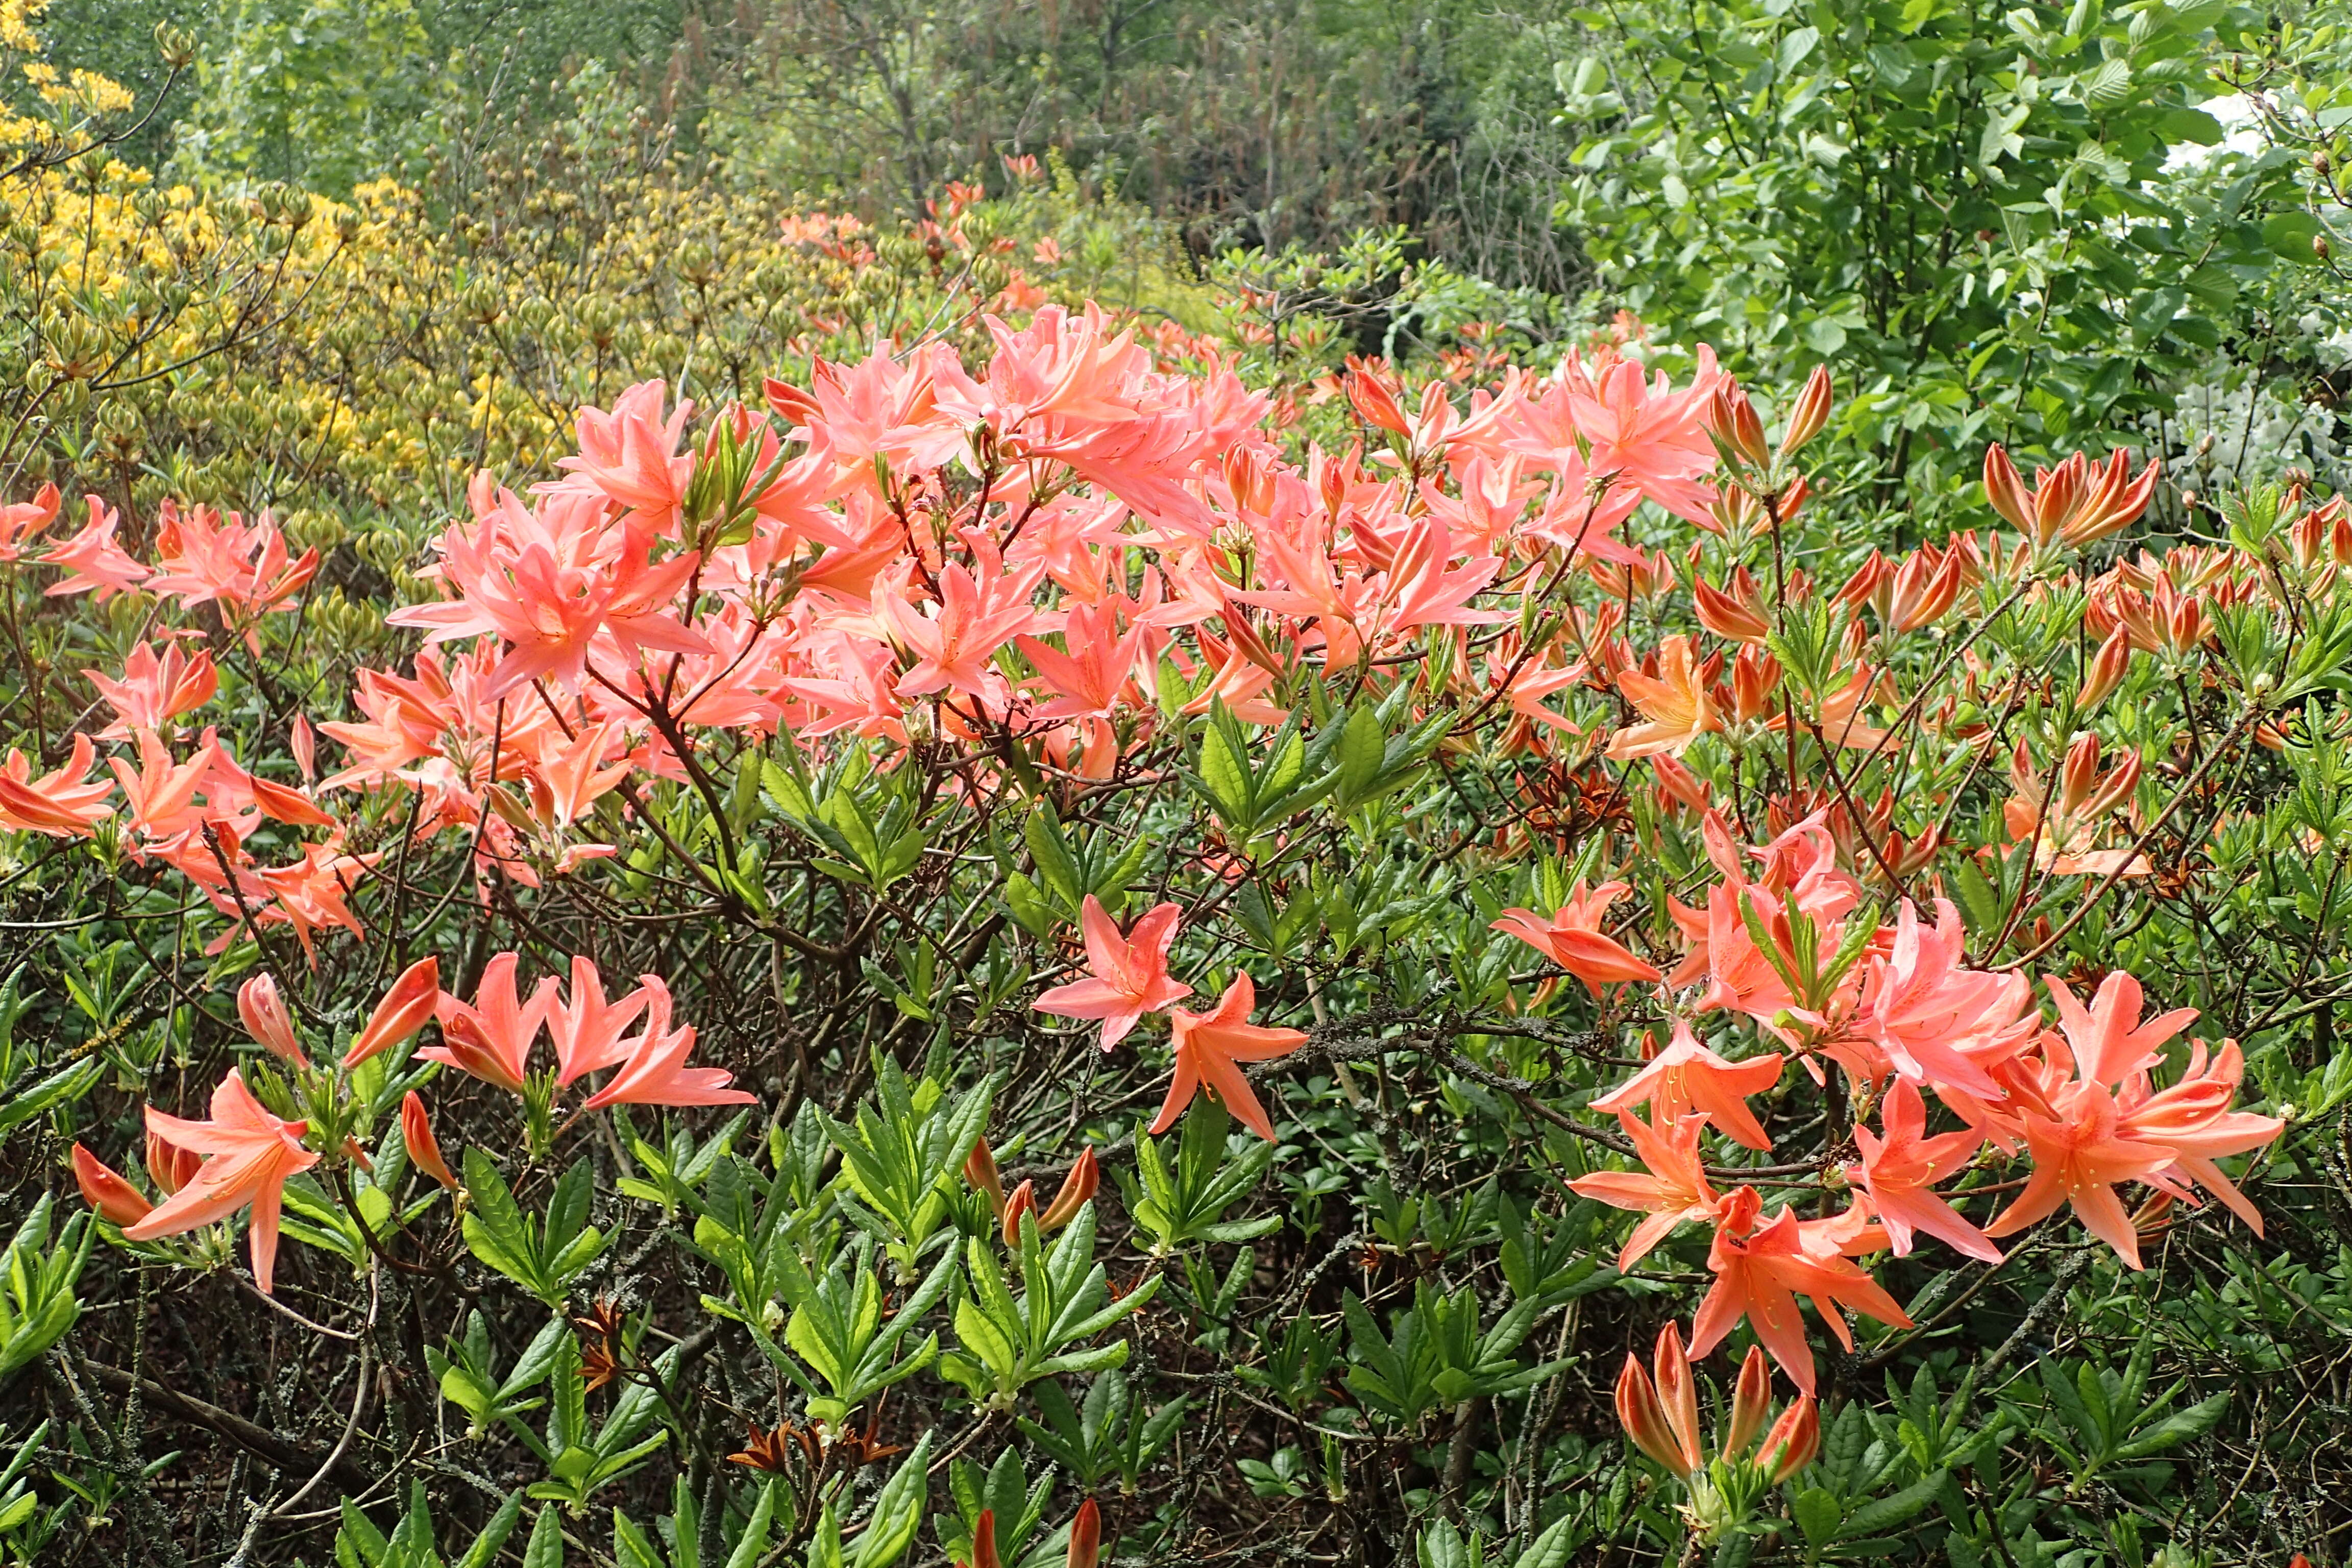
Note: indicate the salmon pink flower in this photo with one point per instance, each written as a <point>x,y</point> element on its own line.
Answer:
<point>1675,705</point>
<point>1208,1050</point>
<point>93,563</point>
<point>654,1071</point>
<point>249,1155</point>
<point>1572,938</point>
<point>1674,1190</point>
<point>630,455</point>
<point>67,804</point>
<point>1130,971</point>
<point>492,1038</point>
<point>586,1029</point>
<point>1900,1168</point>
<point>22,521</point>
<point>1937,1021</point>
<point>1760,1272</point>
<point>205,556</point>
<point>154,691</point>
<point>1687,1076</point>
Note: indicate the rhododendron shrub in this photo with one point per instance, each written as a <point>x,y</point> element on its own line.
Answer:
<point>991,959</point>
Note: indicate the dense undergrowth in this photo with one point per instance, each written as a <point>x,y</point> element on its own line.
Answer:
<point>695,878</point>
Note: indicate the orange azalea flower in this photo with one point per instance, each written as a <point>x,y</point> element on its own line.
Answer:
<point>250,1154</point>
<point>1130,972</point>
<point>1675,705</point>
<point>1572,938</point>
<point>1208,1050</point>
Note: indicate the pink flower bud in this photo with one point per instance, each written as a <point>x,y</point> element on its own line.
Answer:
<point>1024,1201</point>
<point>1811,413</point>
<point>2006,489</point>
<point>104,1190</point>
<point>979,1170</point>
<point>1077,1189</point>
<point>1644,1421</point>
<point>2107,668</point>
<point>403,1012</point>
<point>1734,422</point>
<point>424,1149</point>
<point>1751,1403</point>
<point>266,1020</point>
<point>1794,1440</point>
<point>1086,1536</point>
<point>1678,1395</point>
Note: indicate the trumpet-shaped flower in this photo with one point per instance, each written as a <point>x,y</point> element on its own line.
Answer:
<point>1675,705</point>
<point>1130,971</point>
<point>1209,1050</point>
<point>654,1071</point>
<point>249,1156</point>
<point>1674,1190</point>
<point>92,562</point>
<point>1760,1272</point>
<point>1687,1076</point>
<point>154,691</point>
<point>491,1037</point>
<point>67,804</point>
<point>1573,940</point>
<point>1900,1170</point>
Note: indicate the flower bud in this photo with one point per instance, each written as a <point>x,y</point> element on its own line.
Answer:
<point>1678,1395</point>
<point>424,1149</point>
<point>305,745</point>
<point>2107,668</point>
<point>1024,1201</point>
<point>1076,1191</point>
<point>1810,414</point>
<point>403,1012</point>
<point>1751,1403</point>
<point>2006,489</point>
<point>1793,1442</point>
<point>169,1166</point>
<point>1645,1420</point>
<point>1373,395</point>
<point>1086,1536</point>
<point>104,1189</point>
<point>984,1543</point>
<point>1730,612</point>
<point>283,803</point>
<point>266,1020</point>
<point>979,1170</point>
<point>1732,419</point>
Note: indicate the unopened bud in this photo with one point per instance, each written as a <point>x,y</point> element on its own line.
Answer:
<point>1751,1403</point>
<point>1076,1191</point>
<point>266,1020</point>
<point>1811,410</point>
<point>1024,1201</point>
<point>104,1190</point>
<point>1645,1422</point>
<point>979,1170</point>
<point>424,1148</point>
<point>1733,420</point>
<point>1086,1536</point>
<point>2107,668</point>
<point>1793,1442</point>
